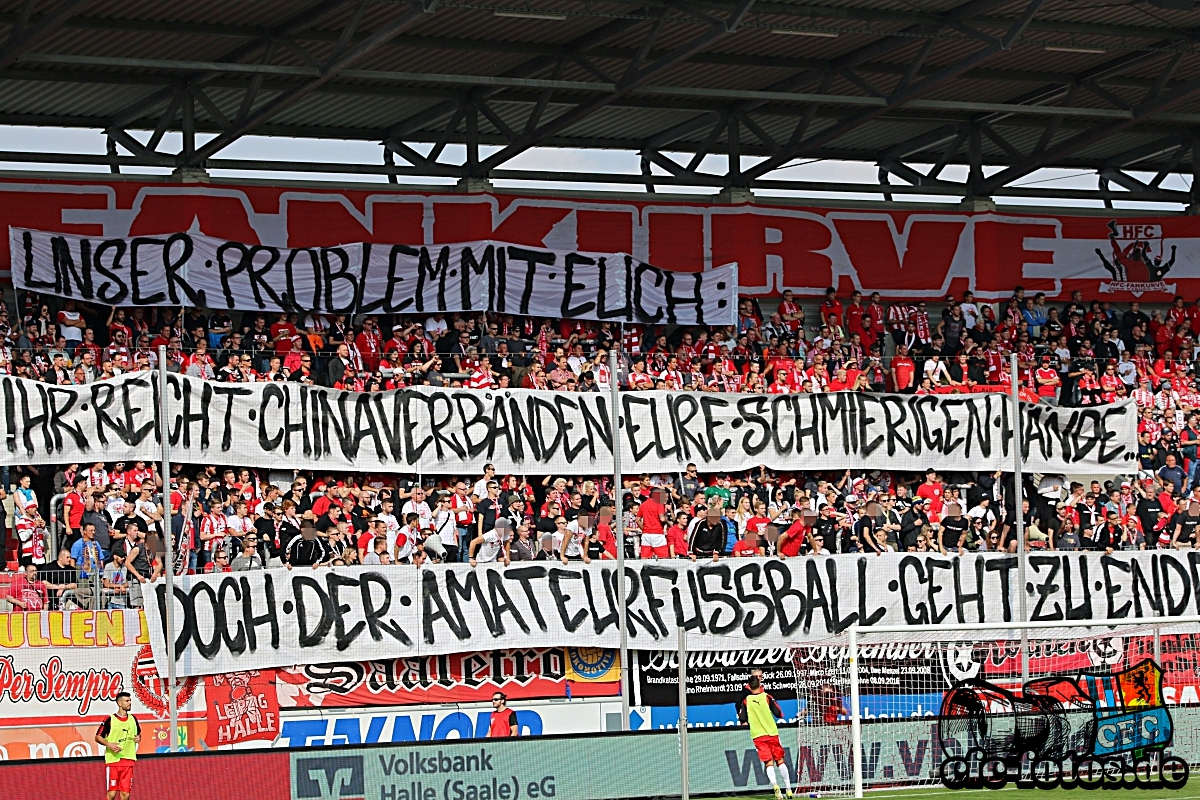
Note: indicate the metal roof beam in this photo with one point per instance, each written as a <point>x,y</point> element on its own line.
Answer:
<point>985,21</point>
<point>300,21</point>
<point>24,37</point>
<point>985,74</point>
<point>800,11</point>
<point>1152,108</point>
<point>1124,180</point>
<point>579,45</point>
<point>1015,116</point>
<point>594,142</point>
<point>341,60</point>
<point>852,59</point>
<point>932,188</point>
<point>635,75</point>
<point>1147,151</point>
<point>909,92</point>
<point>477,82</point>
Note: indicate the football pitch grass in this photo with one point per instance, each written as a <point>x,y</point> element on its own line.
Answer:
<point>1189,792</point>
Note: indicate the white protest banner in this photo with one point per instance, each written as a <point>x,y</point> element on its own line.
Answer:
<point>272,618</point>
<point>197,270</point>
<point>441,431</point>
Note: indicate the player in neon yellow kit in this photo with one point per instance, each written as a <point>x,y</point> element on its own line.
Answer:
<point>120,735</point>
<point>759,710</point>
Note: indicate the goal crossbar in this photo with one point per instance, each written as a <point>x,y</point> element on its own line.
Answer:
<point>1147,622</point>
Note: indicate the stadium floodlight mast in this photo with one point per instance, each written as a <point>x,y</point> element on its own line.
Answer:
<point>164,432</point>
<point>1019,490</point>
<point>684,777</point>
<point>614,384</point>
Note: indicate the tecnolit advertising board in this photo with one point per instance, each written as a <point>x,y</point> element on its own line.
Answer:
<point>323,728</point>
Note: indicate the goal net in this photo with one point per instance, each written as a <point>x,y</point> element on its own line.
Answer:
<point>936,705</point>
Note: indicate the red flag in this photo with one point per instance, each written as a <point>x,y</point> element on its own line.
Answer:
<point>242,706</point>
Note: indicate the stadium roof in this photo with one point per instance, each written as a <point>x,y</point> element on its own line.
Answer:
<point>1004,87</point>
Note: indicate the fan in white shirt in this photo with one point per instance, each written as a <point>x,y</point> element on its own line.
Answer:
<point>391,524</point>
<point>239,522</point>
<point>935,370</point>
<point>417,505</point>
<point>479,491</point>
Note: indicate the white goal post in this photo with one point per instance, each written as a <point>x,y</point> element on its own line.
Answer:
<point>896,706</point>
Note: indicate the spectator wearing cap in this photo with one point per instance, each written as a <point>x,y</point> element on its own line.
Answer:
<point>398,344</point>
<point>488,510</point>
<point>913,521</point>
<point>1047,380</point>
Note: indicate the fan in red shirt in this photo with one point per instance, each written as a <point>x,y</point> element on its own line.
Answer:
<point>1110,383</point>
<point>793,539</point>
<point>370,344</point>
<point>638,379</point>
<point>604,530</point>
<point>931,490</point>
<point>652,514</point>
<point>854,313</point>
<point>748,546</point>
<point>759,522</point>
<point>139,474</point>
<point>677,536</point>
<point>873,322</point>
<point>903,370</point>
<point>779,362</point>
<point>481,378</point>
<point>1046,378</point>
<point>73,505</point>
<point>831,309</point>
<point>790,311</point>
<point>283,333</point>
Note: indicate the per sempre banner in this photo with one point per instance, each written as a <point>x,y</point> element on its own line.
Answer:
<point>197,270</point>
<point>445,431</point>
<point>253,620</point>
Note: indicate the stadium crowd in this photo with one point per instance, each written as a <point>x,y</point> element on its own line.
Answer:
<point>231,517</point>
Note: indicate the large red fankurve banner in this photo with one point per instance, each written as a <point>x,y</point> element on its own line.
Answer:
<point>913,254</point>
